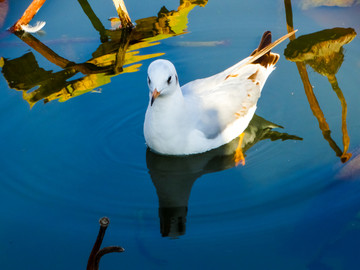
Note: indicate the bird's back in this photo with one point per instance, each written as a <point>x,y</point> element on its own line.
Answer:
<point>229,96</point>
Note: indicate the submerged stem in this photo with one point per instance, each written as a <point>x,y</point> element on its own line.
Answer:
<point>97,253</point>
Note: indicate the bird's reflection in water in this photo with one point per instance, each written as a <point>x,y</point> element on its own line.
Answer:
<point>174,176</point>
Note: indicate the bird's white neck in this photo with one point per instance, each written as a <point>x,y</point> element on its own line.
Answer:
<point>168,102</point>
<point>159,128</point>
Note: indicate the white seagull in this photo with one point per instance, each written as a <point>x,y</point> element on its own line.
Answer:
<point>206,113</point>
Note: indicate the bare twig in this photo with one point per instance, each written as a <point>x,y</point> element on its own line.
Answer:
<point>29,13</point>
<point>123,14</point>
<point>53,57</point>
<point>104,223</point>
<point>44,50</point>
<point>106,250</point>
<point>121,53</point>
<point>97,253</point>
<point>95,21</point>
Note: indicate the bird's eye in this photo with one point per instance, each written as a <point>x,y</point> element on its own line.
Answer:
<point>169,80</point>
<point>149,81</point>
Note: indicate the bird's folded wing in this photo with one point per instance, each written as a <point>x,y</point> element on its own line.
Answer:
<point>203,85</point>
<point>228,101</point>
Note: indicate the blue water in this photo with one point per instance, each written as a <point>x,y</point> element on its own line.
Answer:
<point>64,165</point>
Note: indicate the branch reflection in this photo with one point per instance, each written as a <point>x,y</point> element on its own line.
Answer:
<point>173,176</point>
<point>118,53</point>
<point>323,51</point>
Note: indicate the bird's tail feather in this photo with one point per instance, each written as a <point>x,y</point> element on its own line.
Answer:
<point>268,58</point>
<point>263,55</point>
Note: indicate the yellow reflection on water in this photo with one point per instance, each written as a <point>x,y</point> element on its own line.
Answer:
<point>323,51</point>
<point>119,53</point>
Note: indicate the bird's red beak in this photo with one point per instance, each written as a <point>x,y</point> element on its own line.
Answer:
<point>154,96</point>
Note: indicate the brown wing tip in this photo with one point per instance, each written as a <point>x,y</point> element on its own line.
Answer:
<point>265,40</point>
<point>269,58</point>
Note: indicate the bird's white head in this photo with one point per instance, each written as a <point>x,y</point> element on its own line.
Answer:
<point>162,79</point>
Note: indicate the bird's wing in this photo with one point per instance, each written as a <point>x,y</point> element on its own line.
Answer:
<point>231,94</point>
<point>261,55</point>
<point>222,102</point>
<point>203,85</point>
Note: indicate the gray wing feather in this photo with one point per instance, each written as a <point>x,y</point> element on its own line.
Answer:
<point>225,103</point>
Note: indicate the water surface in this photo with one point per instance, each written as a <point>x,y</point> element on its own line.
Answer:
<point>72,147</point>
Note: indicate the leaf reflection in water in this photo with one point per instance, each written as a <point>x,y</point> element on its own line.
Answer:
<point>323,51</point>
<point>119,53</point>
<point>174,176</point>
